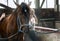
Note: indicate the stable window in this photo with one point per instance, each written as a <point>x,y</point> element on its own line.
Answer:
<point>50,4</point>
<point>3,2</point>
<point>47,4</point>
<point>32,4</point>
<point>11,4</point>
<point>27,1</point>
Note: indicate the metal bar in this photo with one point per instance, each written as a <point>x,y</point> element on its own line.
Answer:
<point>24,0</point>
<point>17,1</point>
<point>37,4</point>
<point>28,1</point>
<point>42,3</point>
<point>57,3</point>
<point>46,3</point>
<point>7,2</point>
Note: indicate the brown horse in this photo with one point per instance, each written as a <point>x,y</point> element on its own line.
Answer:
<point>13,26</point>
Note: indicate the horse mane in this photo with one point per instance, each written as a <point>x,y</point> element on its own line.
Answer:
<point>33,17</point>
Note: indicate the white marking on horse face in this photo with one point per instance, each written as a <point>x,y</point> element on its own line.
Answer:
<point>25,10</point>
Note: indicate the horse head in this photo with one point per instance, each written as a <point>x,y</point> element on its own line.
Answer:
<point>17,21</point>
<point>23,14</point>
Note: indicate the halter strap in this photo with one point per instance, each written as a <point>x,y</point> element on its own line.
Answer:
<point>20,25</point>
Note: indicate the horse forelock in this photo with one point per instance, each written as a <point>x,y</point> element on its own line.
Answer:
<point>25,8</point>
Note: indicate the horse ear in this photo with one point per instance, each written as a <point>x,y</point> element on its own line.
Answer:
<point>29,3</point>
<point>16,3</point>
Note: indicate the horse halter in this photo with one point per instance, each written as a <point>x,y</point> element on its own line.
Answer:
<point>20,25</point>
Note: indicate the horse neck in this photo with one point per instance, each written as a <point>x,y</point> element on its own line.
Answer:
<point>10,17</point>
<point>11,21</point>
